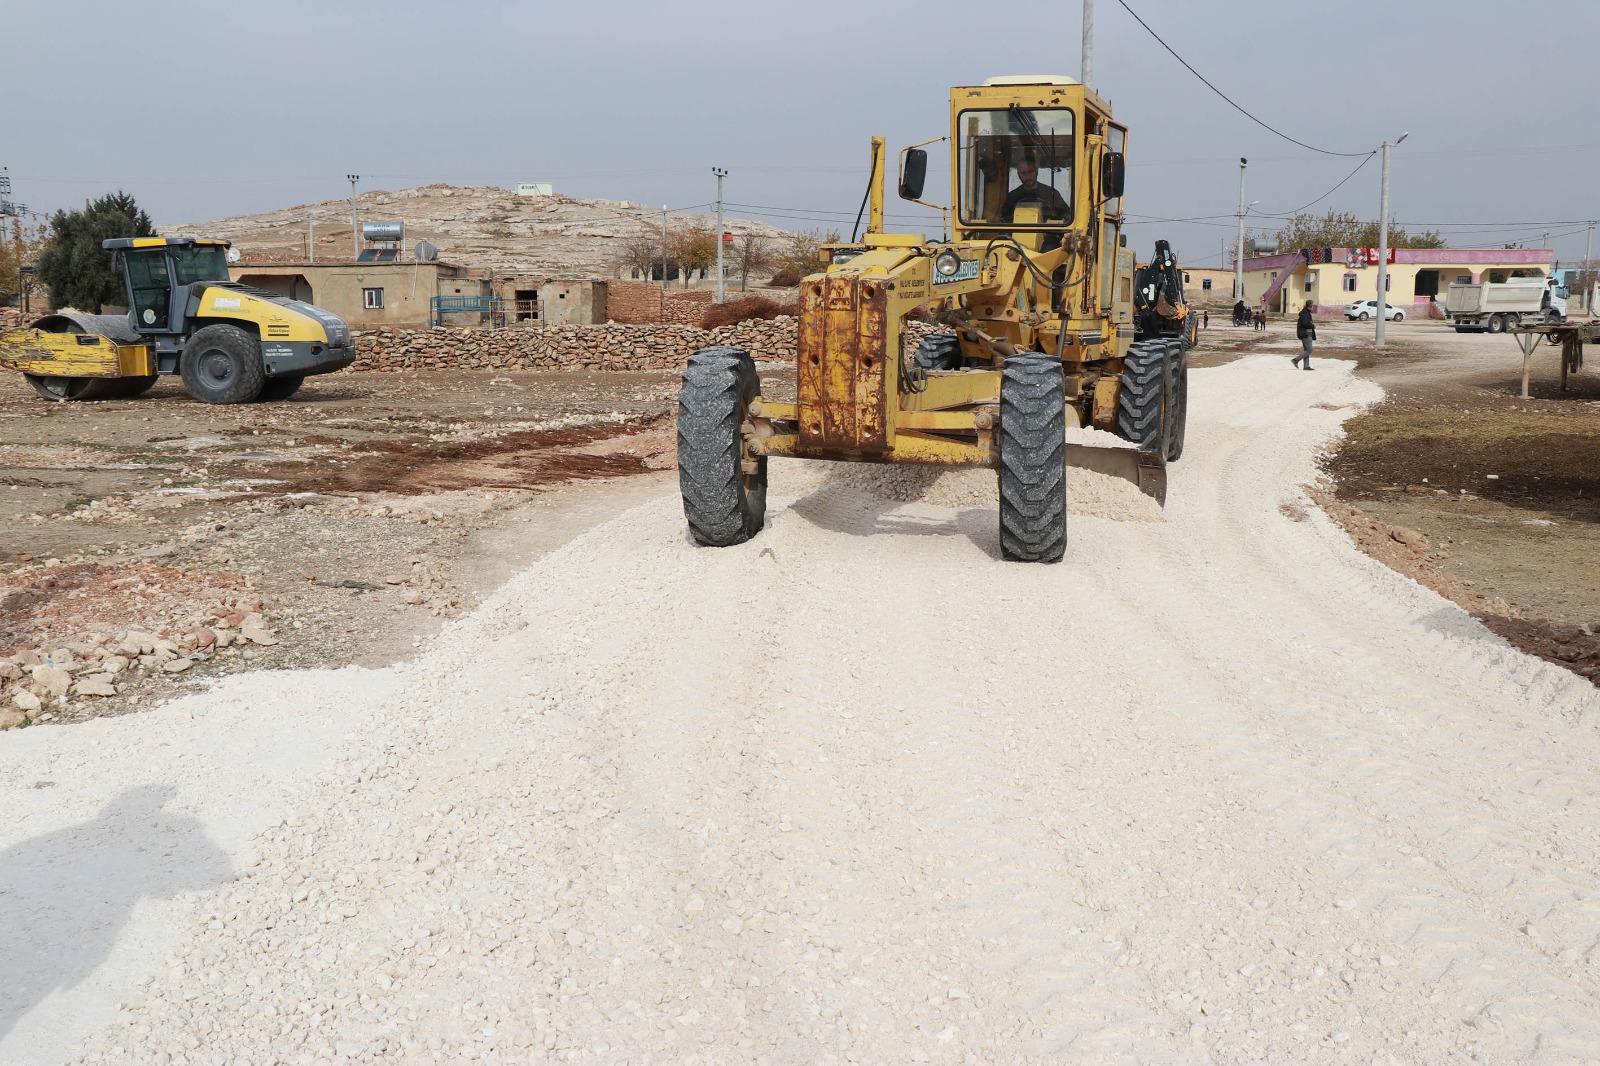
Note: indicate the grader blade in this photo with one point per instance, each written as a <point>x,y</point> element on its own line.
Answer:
<point>1147,470</point>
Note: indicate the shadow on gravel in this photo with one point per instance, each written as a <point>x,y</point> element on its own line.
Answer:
<point>65,895</point>
<point>842,509</point>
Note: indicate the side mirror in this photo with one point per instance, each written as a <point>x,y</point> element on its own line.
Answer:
<point>913,174</point>
<point>1113,174</point>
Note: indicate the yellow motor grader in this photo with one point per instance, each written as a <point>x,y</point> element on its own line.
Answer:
<point>1034,318</point>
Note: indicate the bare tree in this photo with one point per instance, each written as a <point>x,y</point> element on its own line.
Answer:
<point>750,253</point>
<point>642,253</point>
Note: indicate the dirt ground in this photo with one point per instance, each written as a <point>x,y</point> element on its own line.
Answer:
<point>1504,492</point>
<point>354,518</point>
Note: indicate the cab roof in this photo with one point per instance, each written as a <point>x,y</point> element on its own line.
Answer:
<point>121,244</point>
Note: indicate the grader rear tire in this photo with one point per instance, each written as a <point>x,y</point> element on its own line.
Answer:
<point>1180,403</point>
<point>1033,459</point>
<point>1144,401</point>
<point>724,505</point>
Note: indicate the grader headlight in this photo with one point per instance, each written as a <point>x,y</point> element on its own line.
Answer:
<point>947,263</point>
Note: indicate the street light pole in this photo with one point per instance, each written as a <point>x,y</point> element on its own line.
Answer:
<point>1086,68</point>
<point>663,250</point>
<point>1383,244</point>
<point>1238,251</point>
<point>720,173</point>
<point>355,232</point>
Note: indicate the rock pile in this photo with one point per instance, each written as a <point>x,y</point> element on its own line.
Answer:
<point>39,683</point>
<point>609,347</point>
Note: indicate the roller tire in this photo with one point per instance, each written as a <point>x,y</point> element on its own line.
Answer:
<point>1143,414</point>
<point>1179,421</point>
<point>221,364</point>
<point>281,388</point>
<point>1033,459</point>
<point>70,390</point>
<point>724,506</point>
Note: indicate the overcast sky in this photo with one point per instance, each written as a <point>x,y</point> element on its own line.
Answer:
<point>205,110</point>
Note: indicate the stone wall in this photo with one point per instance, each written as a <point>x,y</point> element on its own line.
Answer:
<point>609,347</point>
<point>640,302</point>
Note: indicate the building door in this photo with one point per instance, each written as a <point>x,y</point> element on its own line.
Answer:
<point>527,305</point>
<point>1427,284</point>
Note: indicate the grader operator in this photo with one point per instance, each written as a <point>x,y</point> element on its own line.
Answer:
<point>1032,315</point>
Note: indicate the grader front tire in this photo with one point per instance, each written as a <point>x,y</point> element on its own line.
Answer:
<point>1033,460</point>
<point>724,504</point>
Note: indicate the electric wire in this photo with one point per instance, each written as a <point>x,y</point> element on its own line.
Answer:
<point>1324,196</point>
<point>1219,92</point>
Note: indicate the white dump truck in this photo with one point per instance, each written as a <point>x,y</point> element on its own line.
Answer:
<point>1496,306</point>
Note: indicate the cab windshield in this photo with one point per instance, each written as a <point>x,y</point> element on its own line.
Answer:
<point>1016,167</point>
<point>199,262</point>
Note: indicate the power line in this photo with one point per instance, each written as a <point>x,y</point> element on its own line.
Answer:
<point>1324,196</point>
<point>1219,92</point>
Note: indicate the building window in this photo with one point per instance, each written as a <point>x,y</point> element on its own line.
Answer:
<point>1205,283</point>
<point>1349,283</point>
<point>1308,282</point>
<point>372,299</point>
<point>1186,277</point>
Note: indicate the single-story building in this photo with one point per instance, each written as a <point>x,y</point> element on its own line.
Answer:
<point>553,301</point>
<point>1208,284</point>
<point>1330,278</point>
<point>367,295</point>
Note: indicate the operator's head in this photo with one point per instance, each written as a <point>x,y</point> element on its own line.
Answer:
<point>1028,170</point>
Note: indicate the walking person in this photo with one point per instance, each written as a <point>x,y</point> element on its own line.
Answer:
<point>1205,319</point>
<point>1306,330</point>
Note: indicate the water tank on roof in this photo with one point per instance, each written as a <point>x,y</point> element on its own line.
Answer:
<point>425,252</point>
<point>383,231</point>
<point>1263,246</point>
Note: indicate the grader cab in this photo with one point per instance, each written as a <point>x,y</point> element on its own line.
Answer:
<point>1028,316</point>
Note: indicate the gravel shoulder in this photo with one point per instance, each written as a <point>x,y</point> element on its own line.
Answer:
<point>1490,499</point>
<point>1218,788</point>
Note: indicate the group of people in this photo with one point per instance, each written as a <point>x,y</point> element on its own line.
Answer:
<point>1243,316</point>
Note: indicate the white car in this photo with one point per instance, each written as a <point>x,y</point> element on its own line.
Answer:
<point>1365,309</point>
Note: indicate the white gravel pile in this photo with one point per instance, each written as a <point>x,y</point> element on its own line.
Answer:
<point>1214,789</point>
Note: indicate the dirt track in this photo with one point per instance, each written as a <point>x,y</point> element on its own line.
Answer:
<point>1217,788</point>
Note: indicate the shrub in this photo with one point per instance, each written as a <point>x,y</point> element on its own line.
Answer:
<point>785,279</point>
<point>758,307</point>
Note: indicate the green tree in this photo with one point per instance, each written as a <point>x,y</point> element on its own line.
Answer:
<point>74,266</point>
<point>1341,229</point>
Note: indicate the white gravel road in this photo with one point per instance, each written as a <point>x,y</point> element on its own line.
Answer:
<point>1216,789</point>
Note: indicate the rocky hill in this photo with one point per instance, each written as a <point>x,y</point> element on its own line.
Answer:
<point>483,227</point>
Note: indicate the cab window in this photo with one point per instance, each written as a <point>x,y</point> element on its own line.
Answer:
<point>200,262</point>
<point>1016,167</point>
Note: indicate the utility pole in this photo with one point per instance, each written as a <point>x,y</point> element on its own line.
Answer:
<point>720,173</point>
<point>1086,68</point>
<point>311,235</point>
<point>1238,251</point>
<point>1383,244</point>
<point>663,248</point>
<point>1588,243</point>
<point>355,231</point>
